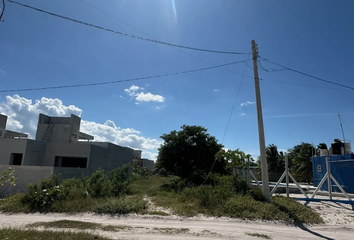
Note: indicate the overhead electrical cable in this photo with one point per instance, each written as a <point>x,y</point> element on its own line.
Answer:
<point>308,75</point>
<point>2,10</point>
<point>348,127</point>
<point>302,84</point>
<point>124,34</point>
<point>178,49</point>
<point>120,81</point>
<point>229,119</point>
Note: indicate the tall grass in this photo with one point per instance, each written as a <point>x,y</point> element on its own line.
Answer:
<point>226,196</point>
<point>21,234</point>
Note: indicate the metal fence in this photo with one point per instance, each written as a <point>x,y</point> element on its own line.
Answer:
<point>333,180</point>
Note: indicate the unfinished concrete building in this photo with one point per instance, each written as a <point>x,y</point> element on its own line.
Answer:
<point>143,162</point>
<point>59,147</point>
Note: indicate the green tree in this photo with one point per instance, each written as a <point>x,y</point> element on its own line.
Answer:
<point>233,158</point>
<point>301,166</point>
<point>190,154</point>
<point>275,159</point>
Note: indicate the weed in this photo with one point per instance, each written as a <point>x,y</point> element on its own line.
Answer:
<point>115,228</point>
<point>296,211</point>
<point>21,234</point>
<point>172,230</point>
<point>98,185</point>
<point>160,213</point>
<point>65,224</point>
<point>79,225</point>
<point>119,178</point>
<point>260,235</point>
<point>121,205</point>
<point>14,204</point>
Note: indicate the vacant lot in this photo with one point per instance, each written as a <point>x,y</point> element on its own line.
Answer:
<point>173,227</point>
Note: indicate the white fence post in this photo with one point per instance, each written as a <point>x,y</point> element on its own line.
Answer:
<point>329,178</point>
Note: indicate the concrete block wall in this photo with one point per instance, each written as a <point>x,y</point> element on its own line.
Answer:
<point>25,175</point>
<point>64,150</point>
<point>149,164</point>
<point>11,145</point>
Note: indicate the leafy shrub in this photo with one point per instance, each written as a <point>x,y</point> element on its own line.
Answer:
<point>295,210</point>
<point>208,196</point>
<point>140,172</point>
<point>176,185</point>
<point>122,205</point>
<point>99,185</point>
<point>119,178</point>
<point>73,188</point>
<point>246,207</point>
<point>50,182</point>
<point>257,194</point>
<point>41,197</point>
<point>14,203</point>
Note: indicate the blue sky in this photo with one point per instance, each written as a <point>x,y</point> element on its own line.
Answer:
<point>314,37</point>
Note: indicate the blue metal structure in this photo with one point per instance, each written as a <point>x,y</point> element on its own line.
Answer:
<point>342,169</point>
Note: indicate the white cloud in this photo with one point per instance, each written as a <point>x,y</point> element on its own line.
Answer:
<point>136,93</point>
<point>243,114</point>
<point>132,90</point>
<point>158,108</point>
<point>216,90</point>
<point>149,97</point>
<point>247,103</point>
<point>23,116</point>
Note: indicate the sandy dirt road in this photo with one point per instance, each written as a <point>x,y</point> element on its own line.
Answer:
<point>156,227</point>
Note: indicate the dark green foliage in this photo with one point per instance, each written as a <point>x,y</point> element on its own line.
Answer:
<point>72,195</point>
<point>296,211</point>
<point>239,185</point>
<point>119,179</point>
<point>73,188</point>
<point>99,185</point>
<point>257,194</point>
<point>140,172</point>
<point>41,197</point>
<point>21,234</point>
<point>190,154</point>
<point>275,159</point>
<point>176,185</point>
<point>246,207</point>
<point>301,166</point>
<point>233,158</point>
<point>121,205</point>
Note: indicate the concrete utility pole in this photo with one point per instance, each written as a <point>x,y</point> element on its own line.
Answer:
<point>262,147</point>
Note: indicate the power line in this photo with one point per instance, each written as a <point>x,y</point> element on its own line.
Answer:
<point>2,10</point>
<point>233,105</point>
<point>120,81</point>
<point>178,49</point>
<point>308,75</point>
<point>348,127</point>
<point>269,69</point>
<point>228,122</point>
<point>124,34</point>
<point>301,84</point>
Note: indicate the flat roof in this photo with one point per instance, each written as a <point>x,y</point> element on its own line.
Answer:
<point>11,134</point>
